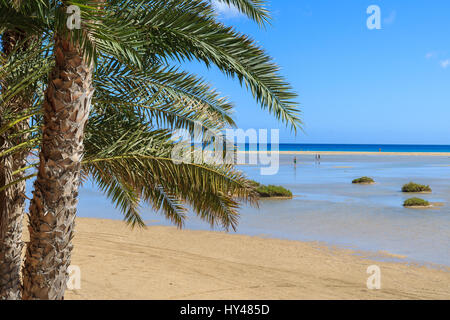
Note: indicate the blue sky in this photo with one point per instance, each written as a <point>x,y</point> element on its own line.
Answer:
<point>355,85</point>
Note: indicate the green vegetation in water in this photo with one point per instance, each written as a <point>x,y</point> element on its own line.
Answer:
<point>414,187</point>
<point>416,202</point>
<point>272,191</point>
<point>363,180</point>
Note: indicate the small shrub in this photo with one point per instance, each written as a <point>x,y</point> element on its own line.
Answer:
<point>363,180</point>
<point>272,191</point>
<point>416,202</point>
<point>414,187</point>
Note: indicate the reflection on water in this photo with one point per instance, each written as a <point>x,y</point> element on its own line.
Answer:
<point>327,207</point>
<point>370,217</point>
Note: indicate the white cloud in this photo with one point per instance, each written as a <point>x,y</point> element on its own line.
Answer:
<point>391,18</point>
<point>445,63</point>
<point>225,10</point>
<point>435,55</point>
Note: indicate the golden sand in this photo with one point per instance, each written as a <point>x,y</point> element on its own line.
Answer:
<point>165,263</point>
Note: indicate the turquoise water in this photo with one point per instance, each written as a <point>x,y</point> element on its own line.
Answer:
<point>328,208</point>
<point>356,147</point>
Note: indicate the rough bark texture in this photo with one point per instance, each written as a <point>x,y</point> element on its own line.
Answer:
<point>12,208</point>
<point>53,207</point>
<point>12,200</point>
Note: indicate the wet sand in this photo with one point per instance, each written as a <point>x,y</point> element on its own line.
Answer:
<point>165,263</point>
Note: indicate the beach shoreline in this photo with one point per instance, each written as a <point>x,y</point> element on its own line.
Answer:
<point>356,153</point>
<point>159,262</point>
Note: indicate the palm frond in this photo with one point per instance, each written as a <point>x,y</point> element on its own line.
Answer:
<point>142,96</point>
<point>178,34</point>
<point>142,158</point>
<point>168,96</point>
<point>254,9</point>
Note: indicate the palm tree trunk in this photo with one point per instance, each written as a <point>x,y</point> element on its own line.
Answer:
<point>12,206</point>
<point>53,207</point>
<point>12,200</point>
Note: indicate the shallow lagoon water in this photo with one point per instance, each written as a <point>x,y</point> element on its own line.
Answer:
<point>327,207</point>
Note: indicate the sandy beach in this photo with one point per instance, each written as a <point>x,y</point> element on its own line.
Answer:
<point>165,263</point>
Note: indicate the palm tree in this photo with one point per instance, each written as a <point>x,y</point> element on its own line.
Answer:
<point>119,142</point>
<point>137,35</point>
<point>12,201</point>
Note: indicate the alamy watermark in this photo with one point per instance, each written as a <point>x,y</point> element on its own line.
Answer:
<point>74,282</point>
<point>74,19</point>
<point>374,20</point>
<point>206,146</point>
<point>374,280</point>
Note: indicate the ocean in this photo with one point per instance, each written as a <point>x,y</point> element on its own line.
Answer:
<point>355,147</point>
